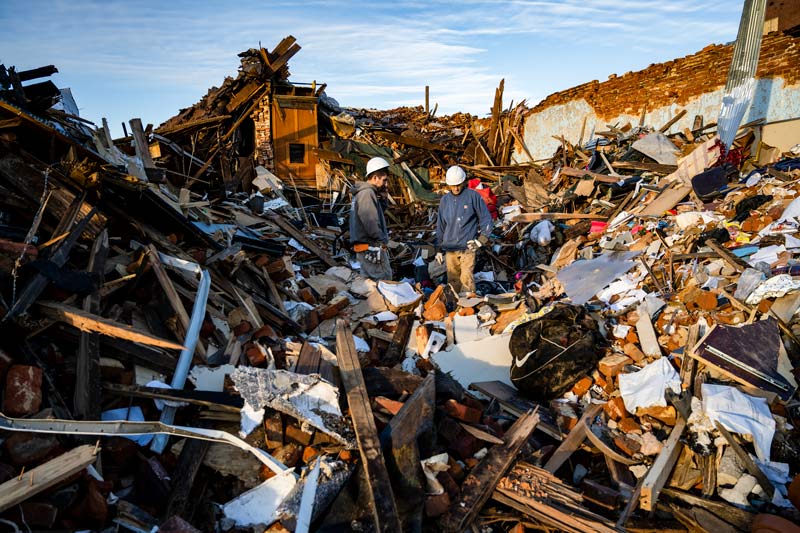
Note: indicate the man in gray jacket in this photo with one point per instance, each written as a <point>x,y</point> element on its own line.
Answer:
<point>463,225</point>
<point>368,233</point>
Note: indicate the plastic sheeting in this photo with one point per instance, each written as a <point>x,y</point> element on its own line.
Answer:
<point>584,279</point>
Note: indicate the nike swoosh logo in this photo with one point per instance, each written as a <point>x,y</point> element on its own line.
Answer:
<point>521,362</point>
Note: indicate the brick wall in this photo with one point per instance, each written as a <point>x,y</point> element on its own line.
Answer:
<point>264,151</point>
<point>680,80</point>
<point>781,15</point>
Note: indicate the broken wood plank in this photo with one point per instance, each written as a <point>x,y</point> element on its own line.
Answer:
<point>510,400</point>
<point>90,322</point>
<point>140,143</point>
<point>302,238</point>
<point>411,141</point>
<point>172,296</point>
<point>482,480</point>
<point>381,497</point>
<point>734,262</point>
<point>573,440</point>
<point>38,283</point>
<point>19,489</point>
<point>191,457</point>
<point>397,349</point>
<point>661,469</point>
<point>87,398</point>
<point>580,173</point>
<point>399,439</point>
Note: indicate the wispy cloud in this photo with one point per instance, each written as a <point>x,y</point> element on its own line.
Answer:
<point>138,59</point>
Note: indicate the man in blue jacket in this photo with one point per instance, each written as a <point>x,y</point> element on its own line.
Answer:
<point>462,226</point>
<point>368,233</point>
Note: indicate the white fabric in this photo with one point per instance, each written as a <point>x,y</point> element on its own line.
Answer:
<point>740,413</point>
<point>645,388</point>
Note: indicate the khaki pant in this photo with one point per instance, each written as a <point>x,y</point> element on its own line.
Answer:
<point>460,266</point>
<point>379,271</point>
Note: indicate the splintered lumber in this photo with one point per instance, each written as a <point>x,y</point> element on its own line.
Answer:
<point>19,489</point>
<point>192,455</point>
<point>482,480</point>
<point>661,469</point>
<point>579,173</point>
<point>87,398</point>
<point>539,494</point>
<point>734,262</point>
<point>396,350</point>
<point>510,400</point>
<point>302,238</point>
<point>749,465</point>
<point>733,515</point>
<point>172,295</point>
<point>38,283</point>
<point>412,141</point>
<point>573,440</point>
<point>92,323</point>
<point>400,439</point>
<point>380,495</point>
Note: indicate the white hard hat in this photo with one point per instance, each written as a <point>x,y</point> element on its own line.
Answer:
<point>375,164</point>
<point>455,176</point>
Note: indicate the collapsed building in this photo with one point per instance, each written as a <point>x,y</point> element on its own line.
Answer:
<point>188,346</point>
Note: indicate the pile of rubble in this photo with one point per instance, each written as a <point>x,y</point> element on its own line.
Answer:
<point>188,345</point>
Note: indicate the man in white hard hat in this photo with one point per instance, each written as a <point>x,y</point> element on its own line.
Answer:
<point>368,233</point>
<point>462,226</point>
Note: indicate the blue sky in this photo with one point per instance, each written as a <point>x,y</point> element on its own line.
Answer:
<point>149,59</point>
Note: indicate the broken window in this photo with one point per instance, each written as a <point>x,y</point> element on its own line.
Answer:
<point>297,153</point>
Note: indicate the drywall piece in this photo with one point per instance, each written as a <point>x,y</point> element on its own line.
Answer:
<point>483,360</point>
<point>308,398</point>
<point>647,335</point>
<point>466,328</point>
<point>259,505</point>
<point>208,378</point>
<point>583,279</point>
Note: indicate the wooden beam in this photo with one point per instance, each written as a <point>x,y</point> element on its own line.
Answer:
<point>662,467</point>
<point>573,440</point>
<point>88,392</point>
<point>302,238</point>
<point>399,439</point>
<point>19,489</point>
<point>580,173</point>
<point>172,296</point>
<point>381,497</point>
<point>482,480</point>
<point>672,121</point>
<point>140,143</point>
<point>734,262</point>
<point>397,349</point>
<point>90,322</point>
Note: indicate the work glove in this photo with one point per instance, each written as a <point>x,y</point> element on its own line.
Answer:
<point>373,255</point>
<point>439,257</point>
<point>473,245</point>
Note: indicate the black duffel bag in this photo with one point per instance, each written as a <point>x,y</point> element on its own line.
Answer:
<point>551,353</point>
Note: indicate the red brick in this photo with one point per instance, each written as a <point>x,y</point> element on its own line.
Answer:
<point>289,454</point>
<point>465,446</point>
<point>23,391</point>
<point>437,505</point>
<point>627,445</point>
<point>582,386</point>
<point>309,454</point>
<point>294,434</point>
<point>26,448</point>
<point>611,365</point>
<point>391,406</point>
<point>664,414</point>
<point>629,425</point>
<point>462,412</point>
<point>615,408</point>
